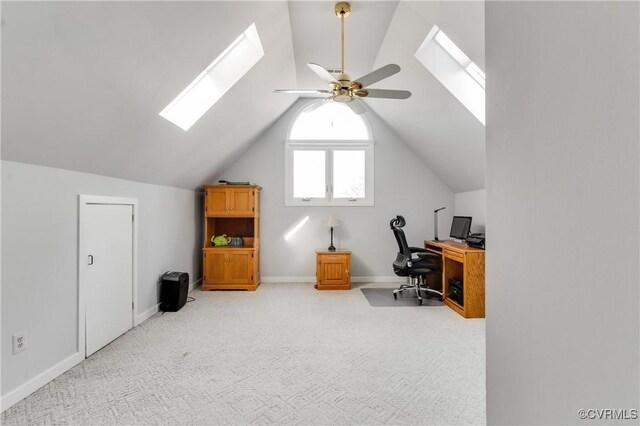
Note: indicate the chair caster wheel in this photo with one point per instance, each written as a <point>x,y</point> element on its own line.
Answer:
<point>395,296</point>
<point>419,301</point>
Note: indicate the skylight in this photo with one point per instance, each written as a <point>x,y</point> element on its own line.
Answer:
<point>212,83</point>
<point>455,70</point>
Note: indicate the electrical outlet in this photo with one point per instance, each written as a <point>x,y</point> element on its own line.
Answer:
<point>19,342</point>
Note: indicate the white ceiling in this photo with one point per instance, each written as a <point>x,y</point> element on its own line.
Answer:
<point>316,37</point>
<point>83,82</point>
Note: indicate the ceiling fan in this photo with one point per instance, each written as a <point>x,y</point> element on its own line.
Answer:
<point>341,87</point>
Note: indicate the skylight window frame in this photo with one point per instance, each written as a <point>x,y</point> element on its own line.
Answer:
<point>176,111</point>
<point>462,77</point>
<point>457,54</point>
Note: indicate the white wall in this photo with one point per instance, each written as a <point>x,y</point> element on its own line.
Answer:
<point>39,256</point>
<point>562,210</point>
<point>403,185</point>
<point>472,203</point>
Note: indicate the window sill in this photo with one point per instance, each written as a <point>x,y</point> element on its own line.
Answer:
<point>334,203</point>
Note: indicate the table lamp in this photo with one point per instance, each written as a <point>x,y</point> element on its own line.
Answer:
<point>332,222</point>
<point>435,223</point>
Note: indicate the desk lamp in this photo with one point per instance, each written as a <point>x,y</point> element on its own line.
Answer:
<point>435,223</point>
<point>332,222</point>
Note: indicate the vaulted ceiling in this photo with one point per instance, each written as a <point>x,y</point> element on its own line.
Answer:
<point>83,82</point>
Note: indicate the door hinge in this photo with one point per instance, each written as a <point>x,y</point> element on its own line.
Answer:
<point>205,209</point>
<point>253,209</point>
<point>252,255</point>
<point>132,305</point>
<point>132,218</point>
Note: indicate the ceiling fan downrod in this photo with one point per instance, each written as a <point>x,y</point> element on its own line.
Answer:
<point>342,10</point>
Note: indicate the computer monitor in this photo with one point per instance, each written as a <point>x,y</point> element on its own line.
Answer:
<point>460,227</point>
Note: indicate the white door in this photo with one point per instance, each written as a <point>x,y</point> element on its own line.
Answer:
<point>107,234</point>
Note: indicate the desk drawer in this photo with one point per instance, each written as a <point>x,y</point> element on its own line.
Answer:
<point>331,258</point>
<point>455,255</point>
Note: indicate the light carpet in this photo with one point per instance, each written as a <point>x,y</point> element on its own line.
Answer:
<point>285,354</point>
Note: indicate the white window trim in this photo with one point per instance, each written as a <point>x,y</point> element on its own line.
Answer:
<point>329,146</point>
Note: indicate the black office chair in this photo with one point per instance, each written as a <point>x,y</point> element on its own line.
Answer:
<point>416,268</point>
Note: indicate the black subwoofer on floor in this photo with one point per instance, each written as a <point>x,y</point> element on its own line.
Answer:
<point>173,293</point>
<point>456,291</point>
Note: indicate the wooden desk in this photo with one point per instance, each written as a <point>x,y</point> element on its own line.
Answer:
<point>466,264</point>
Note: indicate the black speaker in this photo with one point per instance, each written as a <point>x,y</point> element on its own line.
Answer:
<point>173,293</point>
<point>456,291</point>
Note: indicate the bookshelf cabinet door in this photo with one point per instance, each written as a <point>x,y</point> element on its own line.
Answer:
<point>217,202</point>
<point>214,267</point>
<point>240,266</point>
<point>241,201</point>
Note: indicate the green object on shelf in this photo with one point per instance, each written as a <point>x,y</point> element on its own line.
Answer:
<point>220,240</point>
<point>228,182</point>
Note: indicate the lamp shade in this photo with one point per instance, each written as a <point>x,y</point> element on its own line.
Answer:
<point>332,222</point>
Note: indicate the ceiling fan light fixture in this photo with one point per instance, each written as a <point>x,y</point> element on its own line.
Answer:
<point>343,97</point>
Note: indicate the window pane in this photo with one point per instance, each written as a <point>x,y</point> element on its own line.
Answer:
<point>348,174</point>
<point>331,121</point>
<point>308,174</point>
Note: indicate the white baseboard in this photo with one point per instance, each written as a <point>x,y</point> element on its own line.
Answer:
<point>140,318</point>
<point>195,284</point>
<point>155,309</point>
<point>390,279</point>
<point>40,380</point>
<point>45,377</point>
<point>288,279</point>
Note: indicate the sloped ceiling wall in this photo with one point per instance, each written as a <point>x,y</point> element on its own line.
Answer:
<point>440,129</point>
<point>83,83</point>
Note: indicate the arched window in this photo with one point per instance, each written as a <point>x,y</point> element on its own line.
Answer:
<point>329,121</point>
<point>329,157</point>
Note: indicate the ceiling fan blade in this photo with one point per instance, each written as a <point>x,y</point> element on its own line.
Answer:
<point>388,94</point>
<point>322,73</point>
<point>307,93</point>
<point>379,74</point>
<point>356,106</point>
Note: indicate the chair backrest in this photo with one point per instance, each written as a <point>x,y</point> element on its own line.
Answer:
<point>404,253</point>
<point>396,224</point>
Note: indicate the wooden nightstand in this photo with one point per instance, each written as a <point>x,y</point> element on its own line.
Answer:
<point>333,270</point>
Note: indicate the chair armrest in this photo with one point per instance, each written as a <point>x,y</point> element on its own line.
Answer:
<point>417,250</point>
<point>425,260</point>
<point>428,254</point>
